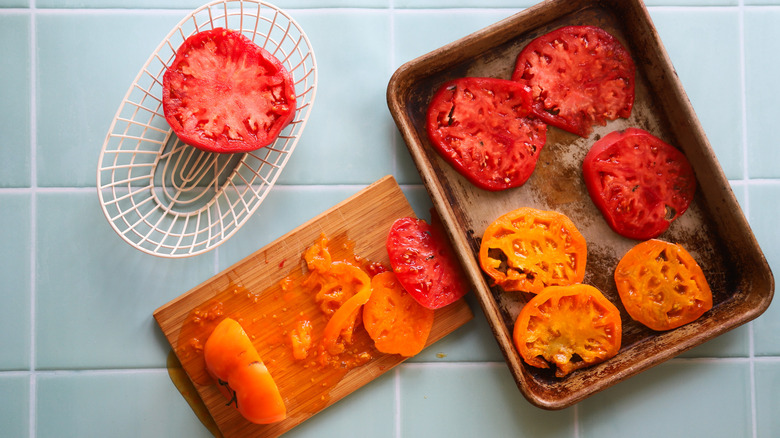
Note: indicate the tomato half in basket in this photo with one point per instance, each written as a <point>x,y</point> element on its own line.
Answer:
<point>569,327</point>
<point>224,93</point>
<point>640,183</point>
<point>661,285</point>
<point>528,249</point>
<point>425,263</point>
<point>481,126</point>
<point>580,76</point>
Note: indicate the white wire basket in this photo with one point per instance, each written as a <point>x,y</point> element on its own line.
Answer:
<point>172,200</point>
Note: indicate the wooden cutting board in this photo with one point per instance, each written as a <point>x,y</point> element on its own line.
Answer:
<point>250,292</point>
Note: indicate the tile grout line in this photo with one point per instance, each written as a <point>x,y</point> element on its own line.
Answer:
<point>746,196</point>
<point>33,384</point>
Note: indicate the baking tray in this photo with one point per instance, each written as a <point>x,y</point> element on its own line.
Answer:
<point>714,229</point>
<point>249,291</point>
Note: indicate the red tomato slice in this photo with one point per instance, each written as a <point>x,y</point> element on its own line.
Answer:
<point>579,76</point>
<point>223,93</point>
<point>639,183</point>
<point>425,264</point>
<point>481,126</point>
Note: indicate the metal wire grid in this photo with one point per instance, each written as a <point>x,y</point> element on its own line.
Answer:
<point>172,200</point>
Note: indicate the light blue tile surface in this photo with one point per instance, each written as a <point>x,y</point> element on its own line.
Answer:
<point>674,399</point>
<point>96,294</point>
<point>15,274</point>
<point>15,94</point>
<point>688,35</point>
<point>15,411</point>
<point>762,92</point>
<point>120,404</point>
<point>76,325</point>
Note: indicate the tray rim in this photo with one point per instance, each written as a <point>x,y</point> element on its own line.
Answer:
<point>527,20</point>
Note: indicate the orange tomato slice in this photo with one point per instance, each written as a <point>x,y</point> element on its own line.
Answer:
<point>241,374</point>
<point>528,249</point>
<point>570,327</point>
<point>396,322</point>
<point>343,321</point>
<point>661,285</point>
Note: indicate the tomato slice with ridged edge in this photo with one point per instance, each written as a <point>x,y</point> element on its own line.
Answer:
<point>481,126</point>
<point>425,263</point>
<point>223,93</point>
<point>640,183</point>
<point>579,76</point>
<point>528,249</point>
<point>661,285</point>
<point>569,327</point>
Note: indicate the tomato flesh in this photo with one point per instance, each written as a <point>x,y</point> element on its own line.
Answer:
<point>570,327</point>
<point>661,285</point>
<point>424,263</point>
<point>223,93</point>
<point>640,183</point>
<point>481,126</point>
<point>580,76</point>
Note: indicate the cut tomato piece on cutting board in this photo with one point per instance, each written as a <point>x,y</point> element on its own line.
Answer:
<point>569,327</point>
<point>224,93</point>
<point>481,126</point>
<point>579,76</point>
<point>661,285</point>
<point>425,263</point>
<point>640,183</point>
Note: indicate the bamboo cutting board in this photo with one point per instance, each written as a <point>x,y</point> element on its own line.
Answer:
<point>250,292</point>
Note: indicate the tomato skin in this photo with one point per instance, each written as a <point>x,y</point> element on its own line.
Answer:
<point>580,76</point>
<point>236,365</point>
<point>562,321</point>
<point>529,249</point>
<point>661,285</point>
<point>223,93</point>
<point>636,180</point>
<point>481,126</point>
<point>396,322</point>
<point>425,263</point>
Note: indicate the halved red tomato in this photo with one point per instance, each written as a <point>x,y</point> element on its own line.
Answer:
<point>481,126</point>
<point>224,93</point>
<point>640,183</point>
<point>579,76</point>
<point>424,263</point>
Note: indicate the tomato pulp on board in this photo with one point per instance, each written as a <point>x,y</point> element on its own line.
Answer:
<point>223,93</point>
<point>570,327</point>
<point>481,126</point>
<point>639,183</point>
<point>425,263</point>
<point>579,76</point>
<point>528,249</point>
<point>661,285</point>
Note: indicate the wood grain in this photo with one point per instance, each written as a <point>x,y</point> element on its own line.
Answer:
<point>364,220</point>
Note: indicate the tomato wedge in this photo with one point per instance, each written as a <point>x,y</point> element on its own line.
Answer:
<point>529,249</point>
<point>570,327</point>
<point>481,126</point>
<point>396,322</point>
<point>223,93</point>
<point>241,374</point>
<point>640,184</point>
<point>661,285</point>
<point>425,263</point>
<point>579,76</point>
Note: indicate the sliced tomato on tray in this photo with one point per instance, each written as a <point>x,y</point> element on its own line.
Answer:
<point>224,93</point>
<point>579,76</point>
<point>425,263</point>
<point>640,183</point>
<point>481,126</point>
